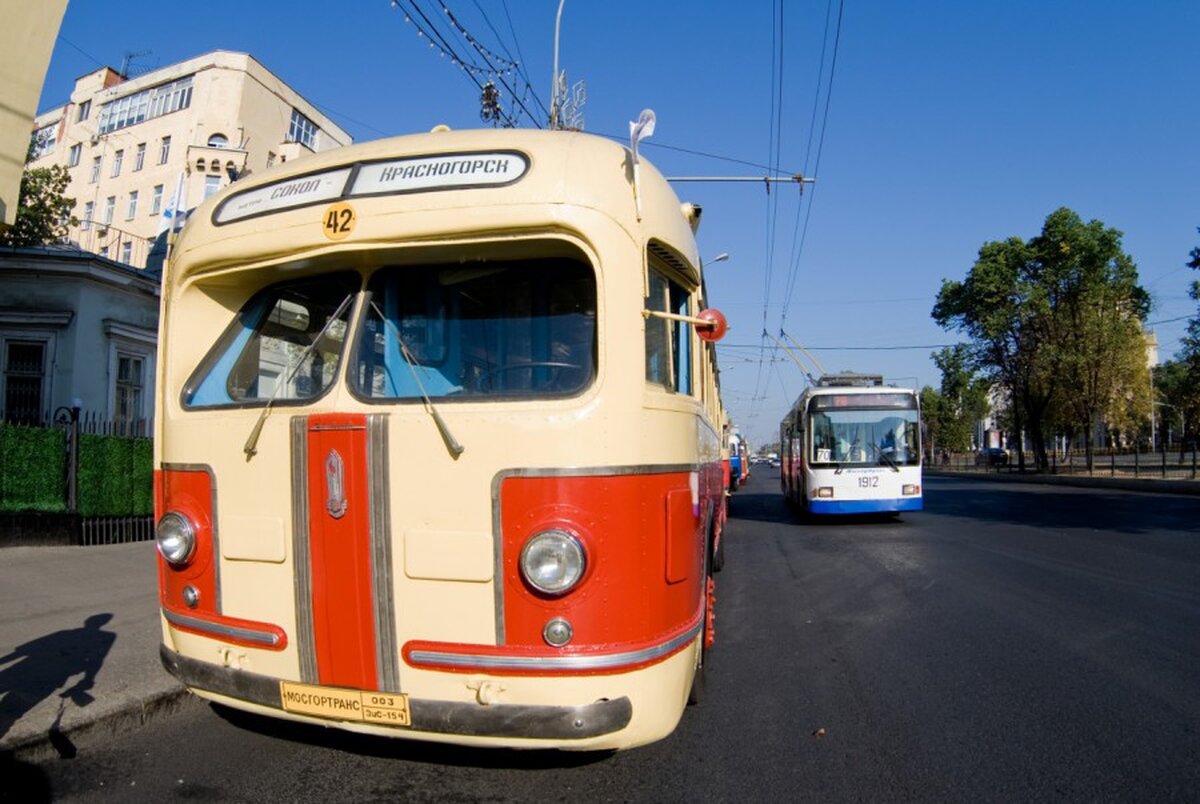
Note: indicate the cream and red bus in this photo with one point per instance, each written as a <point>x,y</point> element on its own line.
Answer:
<point>438,448</point>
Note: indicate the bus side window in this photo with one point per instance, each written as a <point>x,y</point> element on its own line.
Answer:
<point>668,343</point>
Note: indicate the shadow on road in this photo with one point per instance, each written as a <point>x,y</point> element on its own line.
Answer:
<point>407,750</point>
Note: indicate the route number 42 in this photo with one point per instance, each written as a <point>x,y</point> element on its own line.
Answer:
<point>338,221</point>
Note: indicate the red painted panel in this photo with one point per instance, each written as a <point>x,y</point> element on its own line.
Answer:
<point>343,611</point>
<point>624,597</point>
<point>188,492</point>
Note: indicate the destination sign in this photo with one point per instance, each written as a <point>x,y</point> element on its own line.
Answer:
<point>298,192</point>
<point>396,176</point>
<point>440,172</point>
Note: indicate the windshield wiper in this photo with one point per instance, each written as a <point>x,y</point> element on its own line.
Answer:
<point>452,444</point>
<point>251,446</point>
<point>886,459</point>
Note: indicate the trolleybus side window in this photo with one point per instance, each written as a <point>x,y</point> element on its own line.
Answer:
<point>281,346</point>
<point>668,343</point>
<point>497,329</point>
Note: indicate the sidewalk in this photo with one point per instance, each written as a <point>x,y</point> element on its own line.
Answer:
<point>1151,485</point>
<point>79,635</point>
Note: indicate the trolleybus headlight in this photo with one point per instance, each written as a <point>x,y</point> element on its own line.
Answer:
<point>910,488</point>
<point>824,492</point>
<point>175,538</point>
<point>553,561</point>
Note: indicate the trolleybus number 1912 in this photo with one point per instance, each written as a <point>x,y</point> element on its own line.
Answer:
<point>868,481</point>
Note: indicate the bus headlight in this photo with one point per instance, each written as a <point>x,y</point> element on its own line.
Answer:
<point>910,488</point>
<point>824,492</point>
<point>553,561</point>
<point>175,538</point>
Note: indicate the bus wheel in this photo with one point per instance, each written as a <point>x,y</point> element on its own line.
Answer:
<point>707,637</point>
<point>719,555</point>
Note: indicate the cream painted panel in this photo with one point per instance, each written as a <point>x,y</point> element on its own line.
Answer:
<point>439,555</point>
<point>253,538</point>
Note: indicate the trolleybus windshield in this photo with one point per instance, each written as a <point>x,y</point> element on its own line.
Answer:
<point>866,429</point>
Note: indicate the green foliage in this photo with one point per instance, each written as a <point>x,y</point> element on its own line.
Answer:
<point>115,476</point>
<point>33,469</point>
<point>1055,321</point>
<point>43,211</point>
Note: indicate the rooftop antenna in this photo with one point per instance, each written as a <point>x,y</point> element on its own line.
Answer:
<point>127,61</point>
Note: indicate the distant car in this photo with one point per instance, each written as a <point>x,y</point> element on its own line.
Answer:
<point>992,456</point>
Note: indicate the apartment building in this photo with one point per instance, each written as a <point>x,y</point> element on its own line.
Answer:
<point>184,131</point>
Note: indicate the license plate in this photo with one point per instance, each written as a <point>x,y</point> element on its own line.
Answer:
<point>333,703</point>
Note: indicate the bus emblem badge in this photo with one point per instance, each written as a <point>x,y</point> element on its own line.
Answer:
<point>335,485</point>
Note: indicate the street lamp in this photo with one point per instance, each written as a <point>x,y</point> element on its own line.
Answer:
<point>722,257</point>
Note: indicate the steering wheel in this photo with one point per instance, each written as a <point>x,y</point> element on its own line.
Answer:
<point>486,379</point>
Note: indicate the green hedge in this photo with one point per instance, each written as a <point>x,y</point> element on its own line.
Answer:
<point>33,469</point>
<point>115,476</point>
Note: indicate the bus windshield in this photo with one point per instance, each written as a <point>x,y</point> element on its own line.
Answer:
<point>866,437</point>
<point>497,329</point>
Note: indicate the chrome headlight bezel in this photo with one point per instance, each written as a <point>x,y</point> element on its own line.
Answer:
<point>553,562</point>
<point>175,538</point>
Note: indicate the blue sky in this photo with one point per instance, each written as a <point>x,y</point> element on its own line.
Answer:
<point>950,124</point>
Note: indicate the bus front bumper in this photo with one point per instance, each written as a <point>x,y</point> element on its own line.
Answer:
<point>430,716</point>
<point>819,506</point>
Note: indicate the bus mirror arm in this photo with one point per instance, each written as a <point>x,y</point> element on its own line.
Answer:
<point>710,325</point>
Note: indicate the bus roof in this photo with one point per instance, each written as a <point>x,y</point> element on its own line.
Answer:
<point>428,186</point>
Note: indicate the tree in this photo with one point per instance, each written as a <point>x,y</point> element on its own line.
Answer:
<point>963,398</point>
<point>1056,323</point>
<point>1178,381</point>
<point>43,211</point>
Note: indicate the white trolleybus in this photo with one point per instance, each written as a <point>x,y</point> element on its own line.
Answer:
<point>438,445</point>
<point>851,445</point>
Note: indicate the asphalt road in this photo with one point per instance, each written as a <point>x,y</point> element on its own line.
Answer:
<point>1009,643</point>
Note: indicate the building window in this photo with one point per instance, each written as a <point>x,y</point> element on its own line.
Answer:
<point>89,212</point>
<point>146,105</point>
<point>44,140</point>
<point>302,130</point>
<point>110,204</point>
<point>270,158</point>
<point>127,252</point>
<point>85,110</point>
<point>129,389</point>
<point>104,251</point>
<point>95,177</point>
<point>211,185</point>
<point>131,212</point>
<point>73,154</point>
<point>118,160</point>
<point>140,158</point>
<point>24,377</point>
<point>218,141</point>
<point>164,150</point>
<point>156,200</point>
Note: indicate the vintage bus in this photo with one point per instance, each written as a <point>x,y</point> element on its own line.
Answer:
<point>851,445</point>
<point>438,445</point>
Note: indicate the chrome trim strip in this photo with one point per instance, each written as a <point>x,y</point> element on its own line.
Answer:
<point>605,661</point>
<point>306,645</point>
<point>387,655</point>
<point>563,471</point>
<point>221,630</point>
<point>216,539</point>
<point>467,719</point>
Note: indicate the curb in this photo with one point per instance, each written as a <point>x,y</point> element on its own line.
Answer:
<point>133,715</point>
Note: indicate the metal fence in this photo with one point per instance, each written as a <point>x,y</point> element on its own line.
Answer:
<point>1125,463</point>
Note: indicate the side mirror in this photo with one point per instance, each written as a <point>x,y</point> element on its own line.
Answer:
<point>712,325</point>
